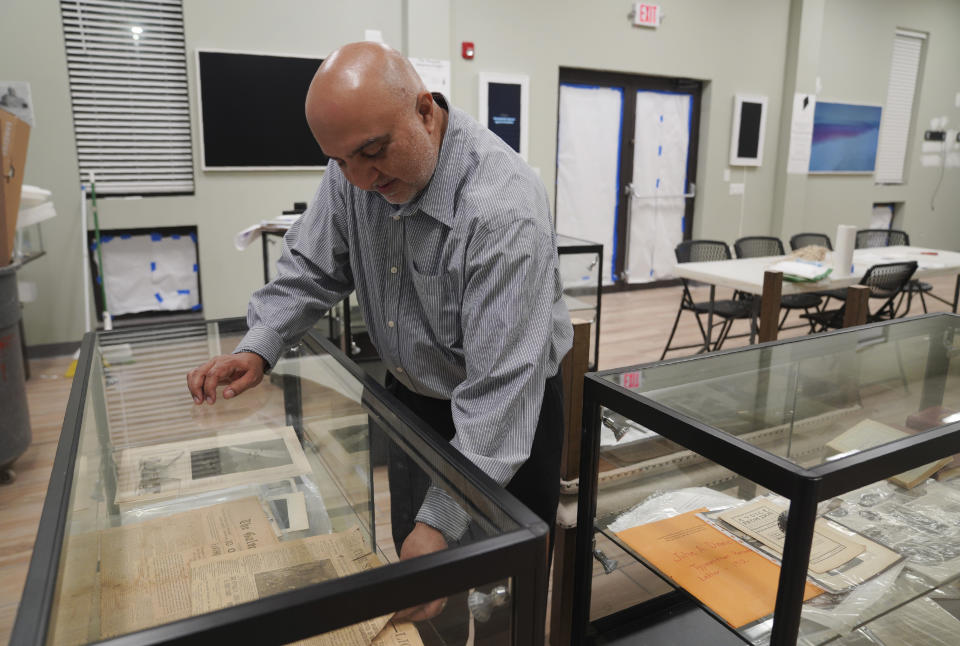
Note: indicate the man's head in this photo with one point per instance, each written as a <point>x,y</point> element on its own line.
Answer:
<point>372,115</point>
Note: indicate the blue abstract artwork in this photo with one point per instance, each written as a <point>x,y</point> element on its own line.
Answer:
<point>844,138</point>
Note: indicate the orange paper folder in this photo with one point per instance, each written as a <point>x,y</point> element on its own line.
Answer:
<point>735,582</point>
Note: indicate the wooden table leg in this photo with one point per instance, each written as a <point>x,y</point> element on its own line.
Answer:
<point>770,305</point>
<point>857,306</point>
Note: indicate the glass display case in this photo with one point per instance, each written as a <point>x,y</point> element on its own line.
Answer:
<point>580,263</point>
<point>261,519</point>
<point>801,491</point>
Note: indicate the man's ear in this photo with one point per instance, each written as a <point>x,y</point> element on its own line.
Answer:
<point>426,108</point>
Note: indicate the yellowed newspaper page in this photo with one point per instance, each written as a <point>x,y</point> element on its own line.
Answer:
<point>145,568</point>
<point>238,578</point>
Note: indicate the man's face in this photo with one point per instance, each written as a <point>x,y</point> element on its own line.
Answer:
<point>381,150</point>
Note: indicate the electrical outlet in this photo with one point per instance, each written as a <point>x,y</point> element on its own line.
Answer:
<point>935,135</point>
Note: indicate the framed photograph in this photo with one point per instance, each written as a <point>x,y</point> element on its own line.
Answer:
<point>845,137</point>
<point>749,124</point>
<point>504,106</point>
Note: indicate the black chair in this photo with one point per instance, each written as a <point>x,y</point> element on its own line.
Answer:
<point>869,238</point>
<point>800,240</point>
<point>886,282</point>
<point>728,310</point>
<point>760,246</point>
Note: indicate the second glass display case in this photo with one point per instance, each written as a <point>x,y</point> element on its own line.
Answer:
<point>802,491</point>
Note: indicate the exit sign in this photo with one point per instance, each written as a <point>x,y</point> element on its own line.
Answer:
<point>646,15</point>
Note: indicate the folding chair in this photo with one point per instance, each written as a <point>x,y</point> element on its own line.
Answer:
<point>886,281</point>
<point>868,238</point>
<point>728,310</point>
<point>800,240</point>
<point>759,246</point>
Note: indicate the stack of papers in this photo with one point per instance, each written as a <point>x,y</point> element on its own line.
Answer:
<point>798,271</point>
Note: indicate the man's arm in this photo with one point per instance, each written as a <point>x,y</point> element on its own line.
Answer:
<point>507,321</point>
<point>313,274</point>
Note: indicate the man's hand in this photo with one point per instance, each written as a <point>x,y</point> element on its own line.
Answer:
<point>422,540</point>
<point>237,371</point>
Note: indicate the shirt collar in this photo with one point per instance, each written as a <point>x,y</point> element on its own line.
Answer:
<point>437,199</point>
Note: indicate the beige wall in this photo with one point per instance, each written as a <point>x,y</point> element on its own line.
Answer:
<point>734,46</point>
<point>856,49</point>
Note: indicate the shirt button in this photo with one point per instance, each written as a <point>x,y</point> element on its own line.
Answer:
<point>396,217</point>
<point>393,270</point>
<point>389,323</point>
<point>399,369</point>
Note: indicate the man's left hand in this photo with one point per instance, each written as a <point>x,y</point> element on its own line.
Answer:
<point>422,540</point>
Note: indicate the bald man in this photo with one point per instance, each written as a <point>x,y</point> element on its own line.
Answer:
<point>446,236</point>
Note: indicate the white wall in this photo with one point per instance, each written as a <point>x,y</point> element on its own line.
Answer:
<point>854,65</point>
<point>733,46</point>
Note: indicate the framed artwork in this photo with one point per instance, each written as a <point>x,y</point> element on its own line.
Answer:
<point>504,107</point>
<point>845,137</point>
<point>749,124</point>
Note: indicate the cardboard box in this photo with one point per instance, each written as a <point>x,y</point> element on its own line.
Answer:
<point>14,136</point>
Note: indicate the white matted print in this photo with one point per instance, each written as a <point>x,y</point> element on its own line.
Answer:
<point>504,108</point>
<point>749,124</point>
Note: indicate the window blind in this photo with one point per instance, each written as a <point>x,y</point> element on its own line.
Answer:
<point>898,109</point>
<point>128,86</point>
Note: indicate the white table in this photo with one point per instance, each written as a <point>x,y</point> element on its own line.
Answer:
<point>747,274</point>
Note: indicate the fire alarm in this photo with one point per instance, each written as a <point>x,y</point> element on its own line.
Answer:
<point>468,51</point>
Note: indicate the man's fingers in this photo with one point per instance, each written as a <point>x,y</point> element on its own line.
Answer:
<point>195,380</point>
<point>421,612</point>
<point>248,379</point>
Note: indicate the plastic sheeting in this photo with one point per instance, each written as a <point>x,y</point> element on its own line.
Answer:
<point>150,272</point>
<point>588,156</point>
<point>662,135</point>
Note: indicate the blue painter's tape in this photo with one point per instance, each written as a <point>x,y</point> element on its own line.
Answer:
<point>193,236</point>
<point>194,267</point>
<point>183,291</point>
<point>175,236</point>
<point>156,237</point>
<point>196,308</point>
<point>659,151</point>
<point>153,266</point>
<point>158,297</point>
<point>106,239</point>
<point>126,236</point>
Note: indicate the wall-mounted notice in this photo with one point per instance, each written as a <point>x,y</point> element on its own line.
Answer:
<point>801,133</point>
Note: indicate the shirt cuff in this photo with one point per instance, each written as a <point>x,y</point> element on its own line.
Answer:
<point>263,341</point>
<point>442,513</point>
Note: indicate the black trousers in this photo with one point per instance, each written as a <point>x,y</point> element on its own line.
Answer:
<point>536,484</point>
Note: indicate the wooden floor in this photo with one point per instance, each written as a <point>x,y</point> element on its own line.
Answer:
<point>634,330</point>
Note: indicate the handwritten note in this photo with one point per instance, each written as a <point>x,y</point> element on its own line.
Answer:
<point>731,579</point>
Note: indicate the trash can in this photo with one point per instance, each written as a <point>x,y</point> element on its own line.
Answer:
<point>14,418</point>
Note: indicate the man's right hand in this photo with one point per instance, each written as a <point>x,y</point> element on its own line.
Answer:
<point>237,372</point>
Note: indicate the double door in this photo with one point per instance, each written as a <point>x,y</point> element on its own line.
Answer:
<point>626,168</point>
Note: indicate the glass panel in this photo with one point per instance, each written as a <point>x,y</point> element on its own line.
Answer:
<point>667,511</point>
<point>814,399</point>
<point>580,275</point>
<point>178,509</point>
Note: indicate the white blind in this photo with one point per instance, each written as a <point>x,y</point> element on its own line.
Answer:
<point>128,85</point>
<point>898,110</point>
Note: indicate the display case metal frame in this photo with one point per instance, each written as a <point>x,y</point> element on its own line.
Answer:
<point>518,554</point>
<point>804,487</point>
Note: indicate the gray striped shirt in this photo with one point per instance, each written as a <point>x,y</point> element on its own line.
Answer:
<point>460,290</point>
